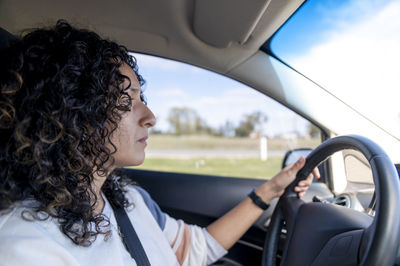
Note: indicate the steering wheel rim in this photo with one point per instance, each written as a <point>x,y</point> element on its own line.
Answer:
<point>380,240</point>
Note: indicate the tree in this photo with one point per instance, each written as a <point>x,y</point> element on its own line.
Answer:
<point>184,120</point>
<point>226,130</point>
<point>314,131</point>
<point>251,122</point>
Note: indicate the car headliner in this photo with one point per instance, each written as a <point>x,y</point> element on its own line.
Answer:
<point>202,32</point>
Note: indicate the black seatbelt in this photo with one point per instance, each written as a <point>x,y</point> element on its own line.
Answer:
<point>129,237</point>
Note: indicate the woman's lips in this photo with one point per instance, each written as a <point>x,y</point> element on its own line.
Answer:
<point>143,140</point>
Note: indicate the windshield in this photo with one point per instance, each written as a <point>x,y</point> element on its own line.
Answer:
<point>352,49</point>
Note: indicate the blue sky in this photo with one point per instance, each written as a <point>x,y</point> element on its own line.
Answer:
<point>352,49</point>
<point>318,20</point>
<point>302,29</point>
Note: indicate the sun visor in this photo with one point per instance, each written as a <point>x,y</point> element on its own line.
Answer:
<point>220,26</point>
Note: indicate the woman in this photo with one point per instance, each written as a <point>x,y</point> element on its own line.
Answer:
<point>72,113</point>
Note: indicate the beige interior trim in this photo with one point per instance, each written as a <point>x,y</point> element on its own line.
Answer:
<point>220,26</point>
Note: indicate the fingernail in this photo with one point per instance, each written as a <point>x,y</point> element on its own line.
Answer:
<point>296,189</point>
<point>302,183</point>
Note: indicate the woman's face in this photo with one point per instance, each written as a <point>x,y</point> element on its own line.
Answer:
<point>132,133</point>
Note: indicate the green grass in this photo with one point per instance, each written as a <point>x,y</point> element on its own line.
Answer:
<point>246,167</point>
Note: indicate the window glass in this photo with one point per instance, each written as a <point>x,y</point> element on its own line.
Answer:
<point>210,124</point>
<point>351,49</point>
<point>359,177</point>
<point>358,169</point>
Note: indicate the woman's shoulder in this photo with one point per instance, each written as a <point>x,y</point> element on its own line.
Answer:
<point>20,234</point>
<point>30,241</point>
<point>7,218</point>
<point>139,196</point>
<point>20,220</point>
<point>136,193</point>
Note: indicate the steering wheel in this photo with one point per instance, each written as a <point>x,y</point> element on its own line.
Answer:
<point>325,234</point>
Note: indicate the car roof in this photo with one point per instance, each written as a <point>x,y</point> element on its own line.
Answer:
<point>205,33</point>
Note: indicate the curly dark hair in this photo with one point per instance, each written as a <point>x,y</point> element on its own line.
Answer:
<point>61,99</point>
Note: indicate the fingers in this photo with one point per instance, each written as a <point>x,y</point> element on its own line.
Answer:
<point>300,163</point>
<point>306,182</point>
<point>300,191</point>
<point>297,165</point>
<point>303,186</point>
<point>292,169</point>
<point>316,173</point>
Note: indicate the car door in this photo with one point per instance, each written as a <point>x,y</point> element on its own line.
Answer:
<point>201,199</point>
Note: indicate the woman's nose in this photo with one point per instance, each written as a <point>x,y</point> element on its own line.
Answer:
<point>148,120</point>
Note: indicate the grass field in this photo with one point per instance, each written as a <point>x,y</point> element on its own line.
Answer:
<point>246,167</point>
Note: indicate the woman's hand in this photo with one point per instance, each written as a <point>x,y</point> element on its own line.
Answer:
<point>230,227</point>
<point>276,186</point>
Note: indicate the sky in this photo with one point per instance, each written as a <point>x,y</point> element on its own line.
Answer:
<point>349,47</point>
<point>352,49</point>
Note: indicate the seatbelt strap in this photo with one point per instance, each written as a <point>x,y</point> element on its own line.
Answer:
<point>129,237</point>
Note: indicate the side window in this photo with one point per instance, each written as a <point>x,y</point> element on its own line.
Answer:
<point>358,170</point>
<point>359,177</point>
<point>353,182</point>
<point>210,124</point>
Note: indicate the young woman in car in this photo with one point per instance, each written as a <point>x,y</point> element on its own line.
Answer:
<point>72,113</point>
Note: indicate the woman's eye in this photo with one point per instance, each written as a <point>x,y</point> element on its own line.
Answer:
<point>143,98</point>
<point>125,102</point>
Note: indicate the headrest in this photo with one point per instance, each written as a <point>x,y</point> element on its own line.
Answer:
<point>6,38</point>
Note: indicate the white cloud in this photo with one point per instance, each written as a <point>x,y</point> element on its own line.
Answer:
<point>151,62</point>
<point>359,62</point>
<point>174,92</point>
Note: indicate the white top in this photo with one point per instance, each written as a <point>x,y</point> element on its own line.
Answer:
<point>165,240</point>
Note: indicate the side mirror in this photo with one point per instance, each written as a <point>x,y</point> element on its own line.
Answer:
<point>293,155</point>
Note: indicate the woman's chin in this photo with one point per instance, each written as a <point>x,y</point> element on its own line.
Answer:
<point>136,161</point>
<point>122,160</point>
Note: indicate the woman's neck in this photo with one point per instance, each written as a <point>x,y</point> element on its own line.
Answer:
<point>97,184</point>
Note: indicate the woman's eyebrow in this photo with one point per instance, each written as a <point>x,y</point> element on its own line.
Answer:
<point>135,89</point>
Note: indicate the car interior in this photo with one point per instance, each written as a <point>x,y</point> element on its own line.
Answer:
<point>231,38</point>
